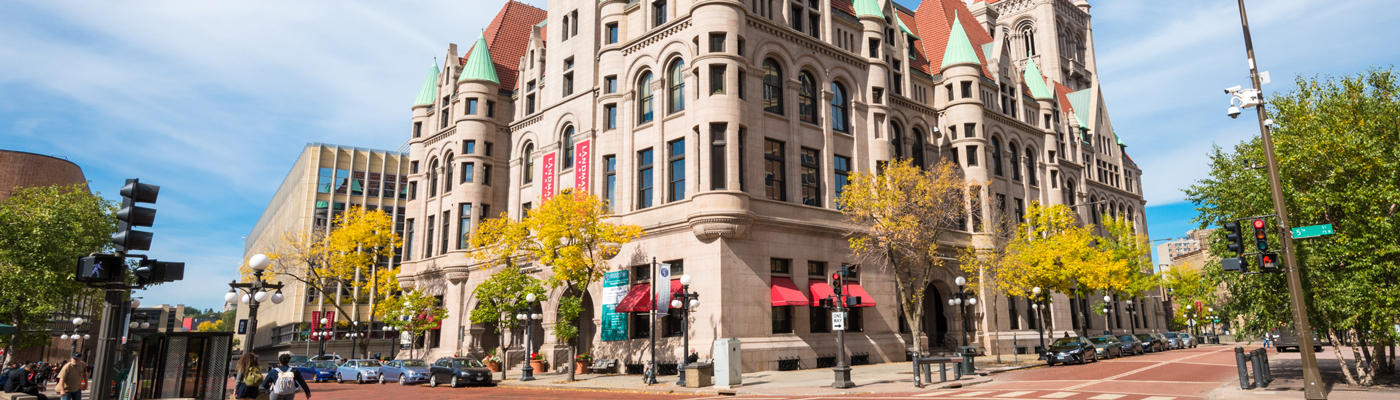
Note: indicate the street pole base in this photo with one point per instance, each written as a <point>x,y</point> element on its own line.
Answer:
<point>843,377</point>
<point>527,374</point>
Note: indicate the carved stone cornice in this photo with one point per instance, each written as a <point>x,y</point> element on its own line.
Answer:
<point>441,135</point>
<point>526,122</point>
<point>714,226</point>
<point>656,36</point>
<point>816,46</point>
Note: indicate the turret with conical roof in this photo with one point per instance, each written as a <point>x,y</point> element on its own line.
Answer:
<point>868,8</point>
<point>960,49</point>
<point>428,94</point>
<point>1035,81</point>
<point>479,65</point>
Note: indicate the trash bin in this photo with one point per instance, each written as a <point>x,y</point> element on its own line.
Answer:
<point>968,355</point>
<point>698,375</point>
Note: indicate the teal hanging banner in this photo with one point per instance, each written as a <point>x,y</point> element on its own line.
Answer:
<point>615,286</point>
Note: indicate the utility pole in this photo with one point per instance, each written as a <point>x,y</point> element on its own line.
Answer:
<point>1312,379</point>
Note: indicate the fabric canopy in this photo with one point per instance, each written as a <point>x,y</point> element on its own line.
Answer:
<point>784,293</point>
<point>821,290</point>
<point>7,330</point>
<point>639,298</point>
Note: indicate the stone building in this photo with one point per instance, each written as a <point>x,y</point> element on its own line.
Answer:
<point>727,128</point>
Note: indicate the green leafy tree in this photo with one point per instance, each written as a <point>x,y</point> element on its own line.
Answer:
<point>1337,141</point>
<point>414,312</point>
<point>43,233</point>
<point>500,297</point>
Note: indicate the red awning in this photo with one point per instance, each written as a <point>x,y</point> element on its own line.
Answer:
<point>821,290</point>
<point>639,298</point>
<point>784,293</point>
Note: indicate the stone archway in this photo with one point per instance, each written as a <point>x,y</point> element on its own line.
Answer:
<point>936,320</point>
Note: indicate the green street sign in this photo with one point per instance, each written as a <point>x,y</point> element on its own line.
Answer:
<point>1312,231</point>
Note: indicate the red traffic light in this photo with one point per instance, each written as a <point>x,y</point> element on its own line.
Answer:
<point>835,277</point>
<point>1258,224</point>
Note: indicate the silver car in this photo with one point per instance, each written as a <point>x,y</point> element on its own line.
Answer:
<point>360,371</point>
<point>1173,340</point>
<point>1187,340</point>
<point>404,372</point>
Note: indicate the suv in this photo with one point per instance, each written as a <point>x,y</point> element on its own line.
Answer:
<point>1285,338</point>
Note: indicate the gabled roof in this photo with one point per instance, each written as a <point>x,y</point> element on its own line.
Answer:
<point>1036,82</point>
<point>508,36</point>
<point>904,28</point>
<point>1080,101</point>
<point>934,21</point>
<point>918,61</point>
<point>428,94</point>
<point>479,65</point>
<point>868,7</point>
<point>1060,91</point>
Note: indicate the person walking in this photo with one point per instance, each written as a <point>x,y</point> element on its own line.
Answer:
<point>250,377</point>
<point>70,378</point>
<point>283,381</point>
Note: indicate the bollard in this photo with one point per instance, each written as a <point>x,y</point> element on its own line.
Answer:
<point>1268,371</point>
<point>917,383</point>
<point>928,374</point>
<point>1258,360</point>
<point>1240,364</point>
<point>942,372</point>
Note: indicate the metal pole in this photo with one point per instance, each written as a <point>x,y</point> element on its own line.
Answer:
<point>1312,379</point>
<point>685,334</point>
<point>1040,326</point>
<point>528,372</point>
<point>108,343</point>
<point>842,368</point>
<point>651,377</point>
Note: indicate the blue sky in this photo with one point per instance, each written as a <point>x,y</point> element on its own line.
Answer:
<point>214,100</point>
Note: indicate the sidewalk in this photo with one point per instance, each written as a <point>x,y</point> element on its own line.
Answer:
<point>1288,381</point>
<point>878,378</point>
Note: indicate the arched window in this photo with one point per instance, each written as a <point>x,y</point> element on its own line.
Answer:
<point>1015,163</point>
<point>1094,209</point>
<point>447,172</point>
<point>897,139</point>
<point>676,77</point>
<point>1031,167</point>
<point>1132,220</point>
<point>918,151</point>
<point>840,108</point>
<point>807,98</point>
<point>644,106</point>
<point>529,155</point>
<point>1028,37</point>
<point>772,87</point>
<point>432,178</point>
<point>568,149</point>
<point>996,156</point>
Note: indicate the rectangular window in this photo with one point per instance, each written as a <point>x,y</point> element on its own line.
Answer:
<point>574,16</point>
<point>417,129</point>
<point>971,156</point>
<point>718,159</point>
<point>842,171</point>
<point>525,209</point>
<point>811,186</point>
<point>446,228</point>
<point>774,170</point>
<point>468,170</point>
<point>780,266</point>
<point>676,169</point>
<point>610,193</point>
<point>326,181</point>
<point>816,269</point>
<point>966,90</point>
<point>471,106</point>
<point>641,325</point>
<point>1012,315</point>
<point>569,84</point>
<point>610,84</point>
<point>1020,211</point>
<point>485,212</point>
<point>412,168</point>
<point>855,322</point>
<point>610,116</point>
<point>814,26</point>
<point>408,241</point>
<point>949,89</point>
<point>970,130</point>
<point>739,89</point>
<point>742,135</point>
<point>782,319</point>
<point>413,190</point>
<point>611,33</point>
<point>658,13</point>
<point>530,104</point>
<point>716,42</point>
<point>486,174</point>
<point>874,48</point>
<point>469,147</point>
<point>644,178</point>
<point>428,240</point>
<point>489,148</point>
<point>877,95</point>
<point>490,109</point>
<point>717,79</point>
<point>817,318</point>
<point>796,17</point>
<point>464,225</point>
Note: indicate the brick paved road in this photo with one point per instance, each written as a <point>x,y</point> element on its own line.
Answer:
<point>350,391</point>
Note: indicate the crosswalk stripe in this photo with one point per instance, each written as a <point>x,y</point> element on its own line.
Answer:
<point>1014,394</point>
<point>936,393</point>
<point>1106,397</point>
<point>1159,398</point>
<point>970,394</point>
<point>1057,395</point>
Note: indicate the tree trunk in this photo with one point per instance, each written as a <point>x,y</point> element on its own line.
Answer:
<point>1337,349</point>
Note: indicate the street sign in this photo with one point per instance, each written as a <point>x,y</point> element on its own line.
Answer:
<point>242,327</point>
<point>1312,231</point>
<point>838,321</point>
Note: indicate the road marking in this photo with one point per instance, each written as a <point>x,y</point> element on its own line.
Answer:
<point>1140,370</point>
<point>1058,395</point>
<point>1159,398</point>
<point>1106,397</point>
<point>1014,394</point>
<point>935,393</point>
<point>970,394</point>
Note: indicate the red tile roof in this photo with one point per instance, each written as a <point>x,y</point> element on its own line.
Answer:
<point>935,20</point>
<point>920,62</point>
<point>1061,94</point>
<point>844,6</point>
<point>508,36</point>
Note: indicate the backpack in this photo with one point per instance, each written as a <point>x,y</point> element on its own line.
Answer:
<point>286,382</point>
<point>252,377</point>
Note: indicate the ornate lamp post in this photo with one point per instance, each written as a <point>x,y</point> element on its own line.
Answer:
<point>254,292</point>
<point>1038,303</point>
<point>528,316</point>
<point>963,298</point>
<point>1107,325</point>
<point>1191,319</point>
<point>1132,315</point>
<point>390,332</point>
<point>685,301</point>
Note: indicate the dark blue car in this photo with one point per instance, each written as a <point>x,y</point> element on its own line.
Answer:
<point>317,371</point>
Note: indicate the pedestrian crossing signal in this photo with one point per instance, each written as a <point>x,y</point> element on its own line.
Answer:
<point>100,269</point>
<point>1268,262</point>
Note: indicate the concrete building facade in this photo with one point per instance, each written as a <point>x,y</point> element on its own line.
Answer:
<point>726,129</point>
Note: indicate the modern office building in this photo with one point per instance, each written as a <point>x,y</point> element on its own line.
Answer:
<point>324,181</point>
<point>727,130</point>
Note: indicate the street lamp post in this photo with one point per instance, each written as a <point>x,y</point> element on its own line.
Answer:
<point>685,301</point>
<point>529,316</point>
<point>1107,325</point>
<point>963,298</point>
<point>1038,306</point>
<point>390,333</point>
<point>1191,319</point>
<point>1133,316</point>
<point>254,292</point>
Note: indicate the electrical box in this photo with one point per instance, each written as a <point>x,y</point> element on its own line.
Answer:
<point>729,366</point>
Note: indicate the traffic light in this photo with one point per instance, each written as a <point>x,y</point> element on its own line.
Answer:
<point>133,215</point>
<point>836,283</point>
<point>1261,235</point>
<point>154,271</point>
<point>100,269</point>
<point>1234,238</point>
<point>1235,264</point>
<point>1268,262</point>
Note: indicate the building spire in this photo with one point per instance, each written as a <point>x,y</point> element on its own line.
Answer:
<point>1036,82</point>
<point>959,49</point>
<point>428,94</point>
<point>479,65</point>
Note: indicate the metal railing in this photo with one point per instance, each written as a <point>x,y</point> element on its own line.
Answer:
<point>923,368</point>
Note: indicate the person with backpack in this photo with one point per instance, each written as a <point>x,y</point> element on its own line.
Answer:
<point>250,377</point>
<point>283,381</point>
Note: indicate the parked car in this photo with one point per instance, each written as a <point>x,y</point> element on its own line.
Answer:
<point>1173,340</point>
<point>317,371</point>
<point>360,371</point>
<point>298,360</point>
<point>1131,344</point>
<point>1072,349</point>
<point>1187,340</point>
<point>1108,346</point>
<point>404,372</point>
<point>329,357</point>
<point>1151,343</point>
<point>458,372</point>
<point>1285,338</point>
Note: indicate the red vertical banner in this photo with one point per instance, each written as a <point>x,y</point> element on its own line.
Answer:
<point>547,191</point>
<point>315,321</point>
<point>583,167</point>
<point>330,320</point>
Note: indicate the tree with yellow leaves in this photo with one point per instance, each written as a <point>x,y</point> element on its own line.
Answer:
<point>901,215</point>
<point>414,312</point>
<point>571,234</point>
<point>343,260</point>
<point>984,260</point>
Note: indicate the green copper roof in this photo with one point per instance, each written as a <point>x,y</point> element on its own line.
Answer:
<point>868,7</point>
<point>1080,101</point>
<point>959,49</point>
<point>905,28</point>
<point>1036,82</point>
<point>987,50</point>
<point>1120,139</point>
<point>479,65</point>
<point>428,94</point>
